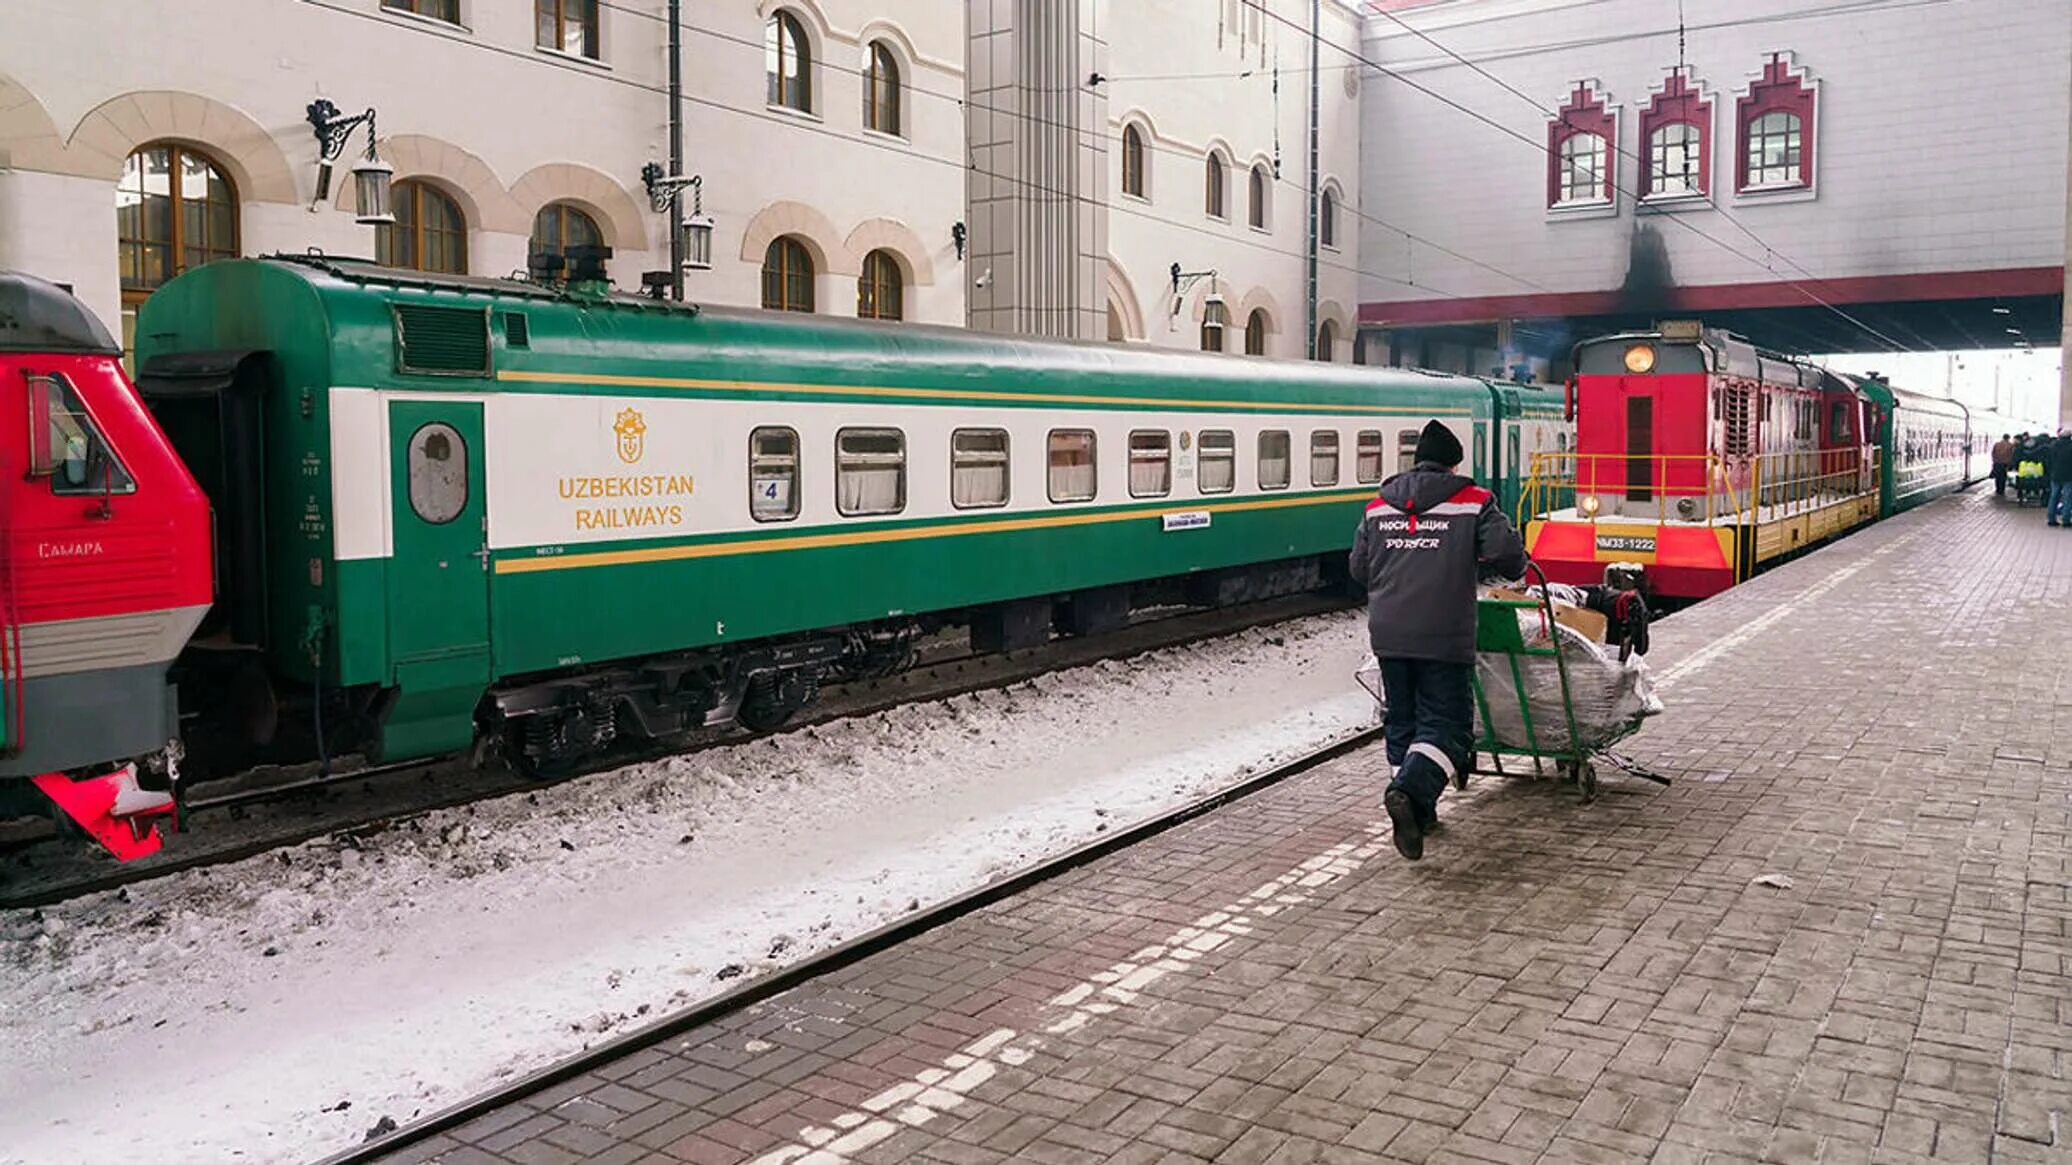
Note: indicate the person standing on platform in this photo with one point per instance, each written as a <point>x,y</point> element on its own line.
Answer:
<point>2003,464</point>
<point>2057,463</point>
<point>1422,546</point>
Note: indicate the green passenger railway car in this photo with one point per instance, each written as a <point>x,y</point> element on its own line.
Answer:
<point>454,510</point>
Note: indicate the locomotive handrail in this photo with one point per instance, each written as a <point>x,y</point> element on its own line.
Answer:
<point>1744,490</point>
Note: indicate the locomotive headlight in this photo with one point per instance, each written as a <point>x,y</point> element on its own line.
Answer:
<point>1640,358</point>
<point>1589,505</point>
<point>1687,508</point>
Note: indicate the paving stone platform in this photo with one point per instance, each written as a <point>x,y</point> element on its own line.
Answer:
<point>1886,725</point>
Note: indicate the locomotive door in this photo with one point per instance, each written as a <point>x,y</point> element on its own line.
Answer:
<point>438,578</point>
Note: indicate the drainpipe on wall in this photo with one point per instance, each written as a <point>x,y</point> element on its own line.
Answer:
<point>674,222</point>
<point>1316,15</point>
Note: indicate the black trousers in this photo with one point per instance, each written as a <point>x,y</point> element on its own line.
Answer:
<point>1429,725</point>
<point>2000,481</point>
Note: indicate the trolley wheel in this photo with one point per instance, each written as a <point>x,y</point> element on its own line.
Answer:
<point>1587,777</point>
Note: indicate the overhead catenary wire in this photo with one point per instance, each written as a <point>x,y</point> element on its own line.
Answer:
<point>762,115</point>
<point>963,101</point>
<point>1640,159</point>
<point>1541,148</point>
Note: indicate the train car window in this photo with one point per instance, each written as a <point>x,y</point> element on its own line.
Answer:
<point>1367,456</point>
<point>1216,462</point>
<point>773,474</point>
<point>1406,450</point>
<point>978,468</point>
<point>73,454</point>
<point>438,471</point>
<point>1323,457</point>
<point>1072,476</point>
<point>1151,463</point>
<point>870,471</point>
<point>1273,459</point>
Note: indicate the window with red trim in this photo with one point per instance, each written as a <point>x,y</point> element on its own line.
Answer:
<point>1774,139</point>
<point>1580,160</point>
<point>1676,141</point>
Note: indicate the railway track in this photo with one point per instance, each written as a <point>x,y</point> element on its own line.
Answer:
<point>836,958</point>
<point>371,800</point>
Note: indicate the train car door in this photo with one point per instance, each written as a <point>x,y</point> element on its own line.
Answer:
<point>438,574</point>
<point>1482,453</point>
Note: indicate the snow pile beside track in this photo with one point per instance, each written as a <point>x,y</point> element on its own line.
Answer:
<point>230,1011</point>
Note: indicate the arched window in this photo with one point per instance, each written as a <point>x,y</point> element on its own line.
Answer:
<point>1261,182</point>
<point>1214,317</point>
<point>559,226</point>
<point>788,59</point>
<point>1216,188</point>
<point>1676,128</point>
<point>1673,160</point>
<point>1327,219</point>
<point>1255,333</point>
<point>1776,118</point>
<point>1579,161</point>
<point>429,234</point>
<point>1327,339</point>
<point>881,290</point>
<point>174,209</point>
<point>1581,173</point>
<point>787,276</point>
<point>881,90</point>
<point>1133,161</point>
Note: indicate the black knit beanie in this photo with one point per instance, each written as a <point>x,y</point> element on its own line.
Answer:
<point>1438,445</point>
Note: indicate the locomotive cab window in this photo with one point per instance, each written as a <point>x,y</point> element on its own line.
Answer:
<point>870,472</point>
<point>1323,458</point>
<point>438,473</point>
<point>1367,459</point>
<point>1273,459</point>
<point>1072,477</point>
<point>978,468</point>
<point>67,447</point>
<point>1840,429</point>
<point>1216,461</point>
<point>1151,463</point>
<point>773,475</point>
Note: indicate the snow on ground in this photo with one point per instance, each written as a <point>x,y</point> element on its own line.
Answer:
<point>275,1009</point>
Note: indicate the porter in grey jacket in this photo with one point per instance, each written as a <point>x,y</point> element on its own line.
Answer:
<point>1422,547</point>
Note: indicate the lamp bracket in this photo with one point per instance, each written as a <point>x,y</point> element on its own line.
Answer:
<point>1182,280</point>
<point>333,131</point>
<point>664,189</point>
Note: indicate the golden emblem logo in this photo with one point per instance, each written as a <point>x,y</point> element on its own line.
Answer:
<point>632,432</point>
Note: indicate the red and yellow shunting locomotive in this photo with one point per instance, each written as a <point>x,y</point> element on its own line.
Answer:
<point>104,571</point>
<point>1700,459</point>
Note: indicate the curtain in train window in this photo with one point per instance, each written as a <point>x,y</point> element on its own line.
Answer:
<point>1273,459</point>
<point>1367,456</point>
<point>870,471</point>
<point>978,468</point>
<point>1323,458</point>
<point>1072,465</point>
<point>1151,463</point>
<point>1216,461</point>
<point>1406,450</point>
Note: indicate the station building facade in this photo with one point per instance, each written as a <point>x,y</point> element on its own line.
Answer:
<point>1550,165</point>
<point>838,145</point>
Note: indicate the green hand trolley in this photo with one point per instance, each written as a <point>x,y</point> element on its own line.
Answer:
<point>1497,634</point>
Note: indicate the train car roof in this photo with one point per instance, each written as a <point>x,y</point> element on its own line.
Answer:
<point>650,335</point>
<point>37,315</point>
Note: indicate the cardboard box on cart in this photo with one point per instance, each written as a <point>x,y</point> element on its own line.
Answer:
<point>1589,624</point>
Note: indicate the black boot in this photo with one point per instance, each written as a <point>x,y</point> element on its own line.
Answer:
<point>1408,834</point>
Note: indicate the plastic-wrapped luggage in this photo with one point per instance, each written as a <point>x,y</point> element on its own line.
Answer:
<point>1609,698</point>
